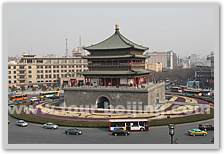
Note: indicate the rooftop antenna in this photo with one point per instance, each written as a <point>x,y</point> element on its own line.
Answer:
<point>66,54</point>
<point>80,42</point>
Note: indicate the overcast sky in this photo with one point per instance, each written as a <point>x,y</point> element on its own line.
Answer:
<point>43,31</point>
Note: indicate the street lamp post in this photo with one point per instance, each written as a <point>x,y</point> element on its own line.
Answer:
<point>171,131</point>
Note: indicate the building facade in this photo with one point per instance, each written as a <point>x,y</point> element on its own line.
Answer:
<point>116,61</point>
<point>34,71</point>
<point>116,76</point>
<point>169,59</point>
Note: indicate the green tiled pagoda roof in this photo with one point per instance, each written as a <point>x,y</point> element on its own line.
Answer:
<point>116,41</point>
<point>137,72</point>
<point>115,56</point>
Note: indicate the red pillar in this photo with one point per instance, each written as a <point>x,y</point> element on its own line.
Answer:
<point>131,64</point>
<point>117,81</point>
<point>84,81</point>
<point>104,81</point>
<point>127,81</point>
<point>111,81</point>
<point>90,81</point>
<point>135,81</point>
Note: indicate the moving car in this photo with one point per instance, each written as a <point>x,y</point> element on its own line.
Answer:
<point>73,131</point>
<point>120,132</point>
<point>206,127</point>
<point>194,132</point>
<point>33,99</point>
<point>21,123</point>
<point>50,126</point>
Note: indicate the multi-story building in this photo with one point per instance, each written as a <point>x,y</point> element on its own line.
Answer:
<point>194,59</point>
<point>168,59</point>
<point>34,71</point>
<point>157,67</point>
<point>116,77</point>
<point>116,61</point>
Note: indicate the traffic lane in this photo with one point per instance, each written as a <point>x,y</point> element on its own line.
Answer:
<point>35,133</point>
<point>182,135</point>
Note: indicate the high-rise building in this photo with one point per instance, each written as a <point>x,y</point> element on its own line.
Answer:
<point>168,59</point>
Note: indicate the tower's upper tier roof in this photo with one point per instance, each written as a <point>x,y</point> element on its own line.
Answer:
<point>116,41</point>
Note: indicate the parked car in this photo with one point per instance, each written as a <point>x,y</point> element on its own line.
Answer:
<point>21,123</point>
<point>120,132</point>
<point>206,127</point>
<point>194,132</point>
<point>33,99</point>
<point>50,126</point>
<point>73,131</point>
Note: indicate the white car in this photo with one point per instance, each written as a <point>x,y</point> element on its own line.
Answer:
<point>33,99</point>
<point>50,126</point>
<point>21,123</point>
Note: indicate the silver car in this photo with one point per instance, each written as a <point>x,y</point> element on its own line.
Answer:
<point>21,123</point>
<point>50,126</point>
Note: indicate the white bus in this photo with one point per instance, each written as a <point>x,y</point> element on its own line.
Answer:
<point>129,124</point>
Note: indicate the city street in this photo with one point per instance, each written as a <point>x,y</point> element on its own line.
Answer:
<point>36,134</point>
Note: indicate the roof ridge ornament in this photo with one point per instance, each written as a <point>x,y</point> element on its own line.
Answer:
<point>117,29</point>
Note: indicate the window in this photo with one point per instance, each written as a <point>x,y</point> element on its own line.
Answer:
<point>54,71</point>
<point>9,77</point>
<point>55,61</point>
<point>57,71</point>
<point>61,66</point>
<point>29,67</point>
<point>46,76</point>
<point>47,61</point>
<point>30,76</point>
<point>9,81</point>
<point>63,61</point>
<point>61,70</point>
<point>54,75</point>
<point>29,60</point>
<point>30,71</point>
<point>14,81</point>
<point>14,67</point>
<point>21,67</point>
<point>71,61</point>
<point>42,76</point>
<point>41,71</point>
<point>46,71</point>
<point>9,67</point>
<point>49,71</point>
<point>38,71</point>
<point>37,66</point>
<point>78,61</point>
<point>49,76</point>
<point>39,61</point>
<point>9,72</point>
<point>14,72</point>
<point>14,77</point>
<point>30,81</point>
<point>38,76</point>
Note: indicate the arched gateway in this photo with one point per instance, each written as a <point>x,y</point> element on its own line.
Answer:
<point>103,102</point>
